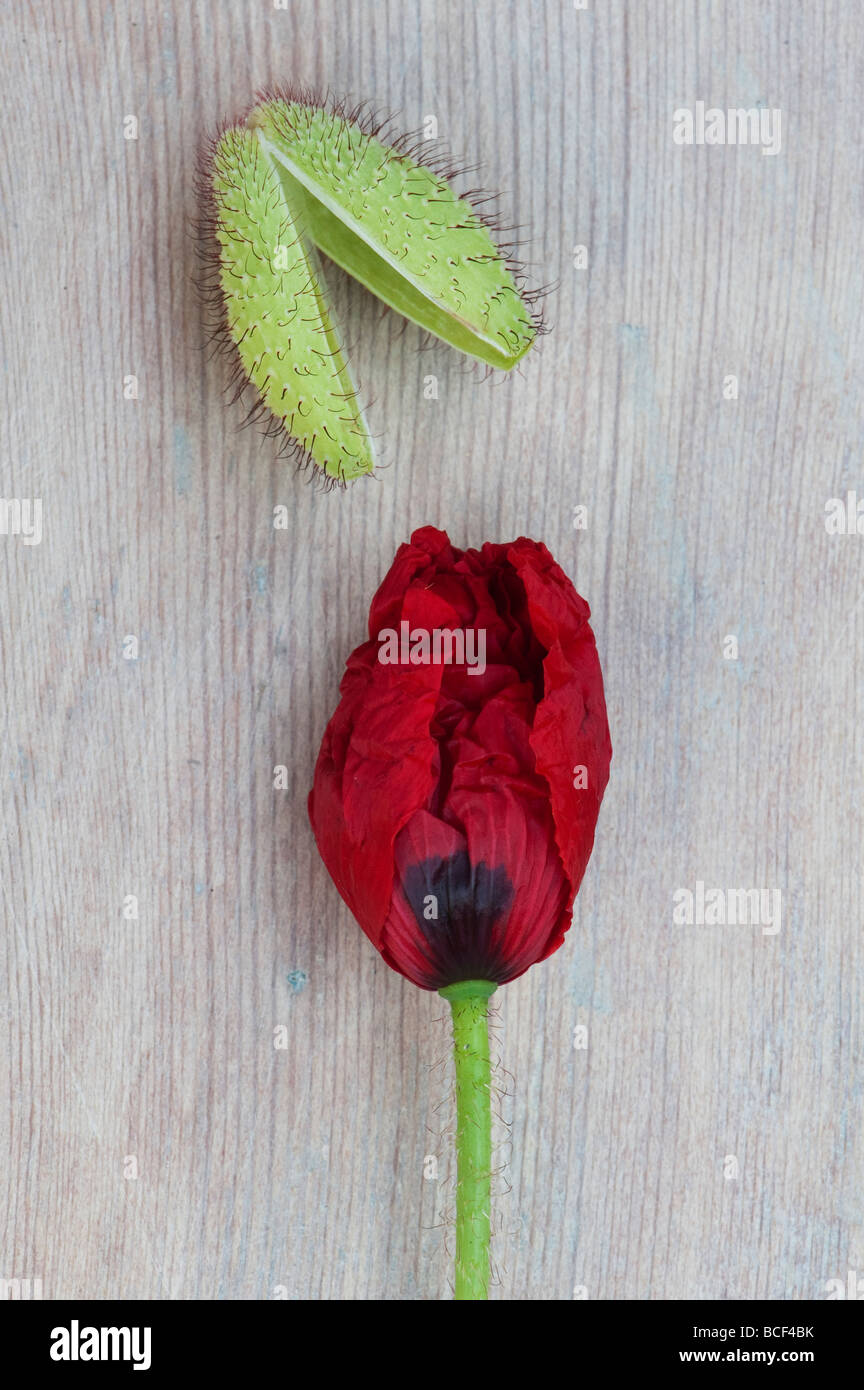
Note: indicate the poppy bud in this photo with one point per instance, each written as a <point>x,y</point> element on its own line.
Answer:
<point>459,781</point>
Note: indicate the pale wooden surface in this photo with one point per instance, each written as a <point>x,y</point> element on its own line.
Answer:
<point>302,1168</point>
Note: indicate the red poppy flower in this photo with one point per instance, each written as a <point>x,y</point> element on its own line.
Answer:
<point>459,781</point>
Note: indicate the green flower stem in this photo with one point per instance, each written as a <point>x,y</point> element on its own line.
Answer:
<point>468,1001</point>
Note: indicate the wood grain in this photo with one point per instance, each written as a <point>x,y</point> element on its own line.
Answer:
<point>299,1170</point>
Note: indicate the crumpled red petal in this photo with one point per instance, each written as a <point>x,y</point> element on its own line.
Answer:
<point>437,786</point>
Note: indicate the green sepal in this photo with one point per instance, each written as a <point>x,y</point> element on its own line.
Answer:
<point>278,315</point>
<point>399,228</point>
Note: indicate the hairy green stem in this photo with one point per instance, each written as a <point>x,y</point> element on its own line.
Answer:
<point>469,1002</point>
